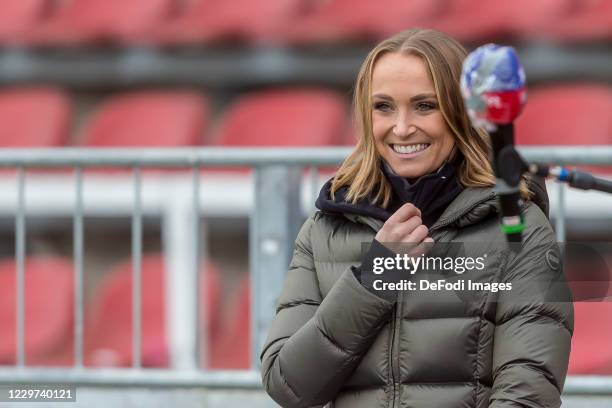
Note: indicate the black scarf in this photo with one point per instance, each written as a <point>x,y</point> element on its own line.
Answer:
<point>431,193</point>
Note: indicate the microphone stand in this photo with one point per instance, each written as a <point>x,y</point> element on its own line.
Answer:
<point>577,179</point>
<point>512,166</point>
<point>509,167</point>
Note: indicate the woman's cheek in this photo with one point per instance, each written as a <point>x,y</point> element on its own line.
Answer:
<point>380,127</point>
<point>376,131</point>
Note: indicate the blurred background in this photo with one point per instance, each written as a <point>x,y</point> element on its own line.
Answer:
<point>234,73</point>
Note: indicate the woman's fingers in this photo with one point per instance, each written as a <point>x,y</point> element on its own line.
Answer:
<point>421,248</point>
<point>402,226</point>
<point>403,213</point>
<point>417,235</point>
<point>400,231</point>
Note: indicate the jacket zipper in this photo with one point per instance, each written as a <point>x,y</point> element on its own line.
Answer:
<point>449,221</point>
<point>391,365</point>
<point>395,373</point>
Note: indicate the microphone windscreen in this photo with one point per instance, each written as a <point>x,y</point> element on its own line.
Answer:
<point>493,86</point>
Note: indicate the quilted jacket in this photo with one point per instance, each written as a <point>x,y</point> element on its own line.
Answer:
<point>333,342</point>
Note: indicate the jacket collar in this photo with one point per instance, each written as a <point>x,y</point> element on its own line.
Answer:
<point>469,207</point>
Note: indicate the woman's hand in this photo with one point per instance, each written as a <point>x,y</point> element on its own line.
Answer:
<point>405,226</point>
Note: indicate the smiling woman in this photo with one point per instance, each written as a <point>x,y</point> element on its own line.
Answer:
<point>407,92</point>
<point>418,174</point>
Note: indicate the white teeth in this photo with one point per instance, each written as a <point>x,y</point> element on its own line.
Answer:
<point>409,148</point>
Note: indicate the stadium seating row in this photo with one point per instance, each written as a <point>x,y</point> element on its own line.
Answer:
<point>49,303</point>
<point>577,114</point>
<point>299,117</point>
<point>170,22</point>
<point>108,339</point>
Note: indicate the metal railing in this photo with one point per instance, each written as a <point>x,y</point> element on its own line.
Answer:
<point>274,223</point>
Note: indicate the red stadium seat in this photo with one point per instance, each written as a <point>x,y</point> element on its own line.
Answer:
<point>470,20</point>
<point>290,117</point>
<point>34,117</point>
<point>358,20</point>
<point>479,21</point>
<point>148,119</point>
<point>593,22</point>
<point>20,16</point>
<point>567,115</point>
<point>205,21</point>
<point>527,18</point>
<point>85,21</point>
<point>109,334</point>
<point>49,300</point>
<point>591,352</point>
<point>232,349</point>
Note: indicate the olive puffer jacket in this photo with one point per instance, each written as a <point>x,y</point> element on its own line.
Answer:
<point>333,342</point>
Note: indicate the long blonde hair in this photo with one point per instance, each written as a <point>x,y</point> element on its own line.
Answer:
<point>444,56</point>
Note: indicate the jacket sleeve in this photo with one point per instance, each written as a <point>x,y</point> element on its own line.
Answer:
<point>534,325</point>
<point>315,343</point>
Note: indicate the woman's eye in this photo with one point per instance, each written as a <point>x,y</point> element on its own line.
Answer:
<point>382,106</point>
<point>426,106</point>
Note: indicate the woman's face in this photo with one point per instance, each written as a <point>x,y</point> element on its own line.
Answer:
<point>410,132</point>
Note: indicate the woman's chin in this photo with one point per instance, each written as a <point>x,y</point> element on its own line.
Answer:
<point>409,172</point>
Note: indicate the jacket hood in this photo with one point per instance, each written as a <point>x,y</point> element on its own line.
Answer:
<point>469,207</point>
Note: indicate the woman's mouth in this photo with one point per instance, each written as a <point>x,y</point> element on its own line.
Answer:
<point>409,150</point>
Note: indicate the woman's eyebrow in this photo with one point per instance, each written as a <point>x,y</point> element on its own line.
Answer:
<point>420,97</point>
<point>382,96</point>
<point>415,98</point>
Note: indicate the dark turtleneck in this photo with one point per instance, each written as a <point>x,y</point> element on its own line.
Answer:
<point>431,193</point>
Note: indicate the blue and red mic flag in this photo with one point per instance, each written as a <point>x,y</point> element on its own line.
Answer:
<point>493,86</point>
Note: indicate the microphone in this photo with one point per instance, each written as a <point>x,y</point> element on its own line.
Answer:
<point>493,88</point>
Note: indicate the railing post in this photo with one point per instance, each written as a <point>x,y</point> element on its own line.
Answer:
<point>78,249</point>
<point>181,278</point>
<point>274,226</point>
<point>137,270</point>
<point>20,254</point>
<point>560,214</point>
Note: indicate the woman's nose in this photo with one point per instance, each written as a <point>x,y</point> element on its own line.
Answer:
<point>403,128</point>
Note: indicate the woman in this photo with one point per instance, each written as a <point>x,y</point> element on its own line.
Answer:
<point>419,174</point>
